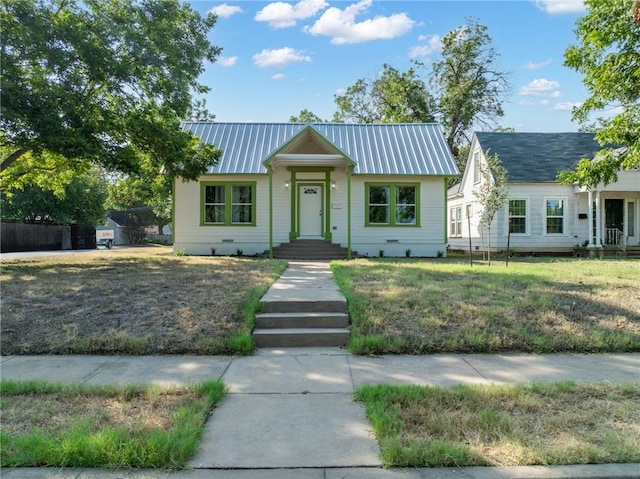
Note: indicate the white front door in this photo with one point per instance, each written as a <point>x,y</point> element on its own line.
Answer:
<point>310,209</point>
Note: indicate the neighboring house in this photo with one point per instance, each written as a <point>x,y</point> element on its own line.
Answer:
<point>115,222</point>
<point>542,214</point>
<point>368,188</point>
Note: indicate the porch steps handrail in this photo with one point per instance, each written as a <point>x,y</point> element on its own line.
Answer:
<point>615,237</point>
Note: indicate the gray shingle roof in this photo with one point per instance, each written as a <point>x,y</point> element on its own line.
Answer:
<point>404,149</point>
<point>538,157</point>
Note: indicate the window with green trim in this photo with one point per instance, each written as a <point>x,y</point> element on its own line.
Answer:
<point>228,204</point>
<point>392,204</point>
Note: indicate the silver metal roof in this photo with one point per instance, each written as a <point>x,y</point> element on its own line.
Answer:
<point>377,149</point>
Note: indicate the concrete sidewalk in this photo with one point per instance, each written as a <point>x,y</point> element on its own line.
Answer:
<point>290,414</point>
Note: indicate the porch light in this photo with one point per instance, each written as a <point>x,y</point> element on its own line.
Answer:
<point>333,184</point>
<point>286,185</point>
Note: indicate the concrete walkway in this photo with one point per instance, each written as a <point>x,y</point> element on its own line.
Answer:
<point>290,412</point>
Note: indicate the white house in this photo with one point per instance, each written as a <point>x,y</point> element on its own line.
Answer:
<point>542,214</point>
<point>368,188</point>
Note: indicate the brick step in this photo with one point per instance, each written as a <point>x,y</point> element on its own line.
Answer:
<point>300,337</point>
<point>301,320</point>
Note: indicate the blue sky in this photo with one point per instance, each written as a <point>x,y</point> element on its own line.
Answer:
<point>281,57</point>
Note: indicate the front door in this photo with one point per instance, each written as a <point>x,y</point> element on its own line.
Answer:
<point>614,213</point>
<point>310,211</point>
<point>614,221</point>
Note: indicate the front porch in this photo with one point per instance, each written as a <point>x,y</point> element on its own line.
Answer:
<point>613,215</point>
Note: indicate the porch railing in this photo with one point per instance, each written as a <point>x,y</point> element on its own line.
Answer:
<point>614,237</point>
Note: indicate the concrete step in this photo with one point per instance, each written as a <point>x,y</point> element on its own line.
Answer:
<point>304,306</point>
<point>310,250</point>
<point>300,337</point>
<point>301,320</point>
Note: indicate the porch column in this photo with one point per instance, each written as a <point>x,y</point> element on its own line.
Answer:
<point>590,218</point>
<point>598,221</point>
<point>349,212</point>
<point>270,170</point>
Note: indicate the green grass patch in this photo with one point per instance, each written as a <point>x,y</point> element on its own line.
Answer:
<point>446,306</point>
<point>131,426</point>
<point>537,424</point>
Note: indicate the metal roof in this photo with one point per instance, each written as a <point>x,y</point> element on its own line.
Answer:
<point>538,157</point>
<point>402,149</point>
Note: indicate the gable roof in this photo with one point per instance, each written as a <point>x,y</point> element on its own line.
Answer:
<point>403,149</point>
<point>538,157</point>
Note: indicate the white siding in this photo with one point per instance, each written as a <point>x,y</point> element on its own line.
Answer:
<point>427,240</point>
<point>199,240</point>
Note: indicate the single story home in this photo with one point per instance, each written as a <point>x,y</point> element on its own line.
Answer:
<point>374,189</point>
<point>541,214</point>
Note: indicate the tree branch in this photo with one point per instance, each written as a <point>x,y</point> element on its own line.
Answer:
<point>9,160</point>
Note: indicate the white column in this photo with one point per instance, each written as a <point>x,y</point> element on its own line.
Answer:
<point>590,217</point>
<point>598,221</point>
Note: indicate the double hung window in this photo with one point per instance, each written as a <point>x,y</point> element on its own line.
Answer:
<point>228,204</point>
<point>392,204</point>
<point>517,216</point>
<point>555,215</point>
<point>455,221</point>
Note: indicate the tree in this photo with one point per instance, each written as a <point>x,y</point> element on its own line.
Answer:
<point>146,189</point>
<point>101,81</point>
<point>136,221</point>
<point>608,55</point>
<point>492,192</point>
<point>469,85</point>
<point>306,116</point>
<point>81,202</point>
<point>393,97</point>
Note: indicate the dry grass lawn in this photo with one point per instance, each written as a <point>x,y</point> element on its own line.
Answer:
<point>135,301</point>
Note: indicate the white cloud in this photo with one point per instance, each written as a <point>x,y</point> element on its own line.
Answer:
<point>538,65</point>
<point>539,87</point>
<point>434,44</point>
<point>533,103</point>
<point>565,106</point>
<point>225,11</point>
<point>558,7</point>
<point>341,25</point>
<point>279,76</point>
<point>227,61</point>
<point>283,15</point>
<point>279,58</point>
<point>340,91</point>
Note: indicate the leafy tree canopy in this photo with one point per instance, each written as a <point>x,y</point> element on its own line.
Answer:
<point>608,55</point>
<point>103,82</point>
<point>468,83</point>
<point>81,201</point>
<point>393,97</point>
<point>306,116</point>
